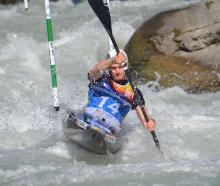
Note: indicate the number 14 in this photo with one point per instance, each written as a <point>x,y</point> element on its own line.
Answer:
<point>113,107</point>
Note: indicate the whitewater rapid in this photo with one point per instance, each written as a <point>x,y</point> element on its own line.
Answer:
<point>33,148</point>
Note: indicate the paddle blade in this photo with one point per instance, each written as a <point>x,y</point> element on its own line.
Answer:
<point>101,9</point>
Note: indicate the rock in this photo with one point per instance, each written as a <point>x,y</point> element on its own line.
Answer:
<point>180,47</point>
<point>200,38</point>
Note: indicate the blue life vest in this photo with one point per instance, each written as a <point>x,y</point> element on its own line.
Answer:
<point>106,107</point>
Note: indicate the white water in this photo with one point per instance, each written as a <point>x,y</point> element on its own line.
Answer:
<point>33,149</point>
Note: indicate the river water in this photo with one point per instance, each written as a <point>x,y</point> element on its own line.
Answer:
<point>33,148</point>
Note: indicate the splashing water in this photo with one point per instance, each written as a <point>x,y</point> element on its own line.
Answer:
<point>33,149</point>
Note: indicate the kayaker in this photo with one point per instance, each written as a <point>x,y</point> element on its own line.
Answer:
<point>110,95</point>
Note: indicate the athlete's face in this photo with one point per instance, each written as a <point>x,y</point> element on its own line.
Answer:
<point>117,72</point>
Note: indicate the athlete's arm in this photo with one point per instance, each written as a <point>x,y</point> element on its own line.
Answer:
<point>98,69</point>
<point>137,104</point>
<point>150,125</point>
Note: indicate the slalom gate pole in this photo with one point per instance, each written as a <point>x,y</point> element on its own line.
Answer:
<point>51,54</point>
<point>26,4</point>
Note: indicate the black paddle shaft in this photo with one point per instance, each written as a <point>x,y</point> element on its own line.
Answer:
<point>156,141</point>
<point>101,9</point>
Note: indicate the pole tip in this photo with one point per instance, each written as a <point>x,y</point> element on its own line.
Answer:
<point>57,108</point>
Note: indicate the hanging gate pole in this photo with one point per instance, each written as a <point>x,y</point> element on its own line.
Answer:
<point>26,4</point>
<point>51,54</point>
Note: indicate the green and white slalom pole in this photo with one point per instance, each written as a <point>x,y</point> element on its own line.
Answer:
<point>26,4</point>
<point>51,54</point>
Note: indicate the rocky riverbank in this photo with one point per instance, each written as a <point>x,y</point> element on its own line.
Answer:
<point>180,47</point>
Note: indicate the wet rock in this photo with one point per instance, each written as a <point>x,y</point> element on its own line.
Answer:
<point>180,47</point>
<point>199,39</point>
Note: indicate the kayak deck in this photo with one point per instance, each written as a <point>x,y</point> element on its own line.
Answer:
<point>89,137</point>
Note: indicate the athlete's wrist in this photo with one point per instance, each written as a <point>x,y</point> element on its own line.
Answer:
<point>150,125</point>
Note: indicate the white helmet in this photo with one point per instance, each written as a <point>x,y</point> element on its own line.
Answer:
<point>113,53</point>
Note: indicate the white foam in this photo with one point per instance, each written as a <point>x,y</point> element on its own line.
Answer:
<point>61,4</point>
<point>8,12</point>
<point>59,149</point>
<point>24,170</point>
<point>28,121</point>
<point>2,71</point>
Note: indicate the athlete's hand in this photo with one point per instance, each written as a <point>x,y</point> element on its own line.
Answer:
<point>120,58</point>
<point>150,125</point>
